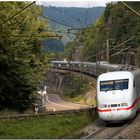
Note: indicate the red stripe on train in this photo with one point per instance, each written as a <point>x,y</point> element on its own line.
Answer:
<point>118,109</point>
<point>103,110</point>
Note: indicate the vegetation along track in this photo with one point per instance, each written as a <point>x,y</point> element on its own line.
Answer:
<point>108,130</point>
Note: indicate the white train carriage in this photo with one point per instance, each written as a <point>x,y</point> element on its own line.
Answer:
<point>118,95</point>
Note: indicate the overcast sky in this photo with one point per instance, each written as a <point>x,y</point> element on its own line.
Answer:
<point>75,3</point>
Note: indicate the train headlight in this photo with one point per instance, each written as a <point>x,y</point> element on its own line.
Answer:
<point>103,106</point>
<point>124,104</point>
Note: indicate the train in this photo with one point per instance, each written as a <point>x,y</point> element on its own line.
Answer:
<point>118,95</point>
<point>90,68</point>
<point>117,91</point>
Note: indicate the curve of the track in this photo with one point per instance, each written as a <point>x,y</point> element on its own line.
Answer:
<point>54,102</point>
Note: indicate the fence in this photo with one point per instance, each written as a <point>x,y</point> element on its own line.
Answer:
<point>88,110</point>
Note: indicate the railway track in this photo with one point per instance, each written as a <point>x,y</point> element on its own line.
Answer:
<point>119,129</point>
<point>108,131</point>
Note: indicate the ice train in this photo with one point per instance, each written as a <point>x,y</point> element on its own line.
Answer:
<point>118,95</point>
<point>118,88</point>
<point>86,67</point>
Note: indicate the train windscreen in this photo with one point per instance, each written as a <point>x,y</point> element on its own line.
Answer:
<point>114,85</point>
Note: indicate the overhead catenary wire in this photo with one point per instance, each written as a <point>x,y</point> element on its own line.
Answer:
<point>59,31</point>
<point>17,13</point>
<point>66,25</point>
<point>44,30</point>
<point>120,51</point>
<point>26,36</point>
<point>119,44</point>
<point>114,48</point>
<point>133,10</point>
<point>111,25</point>
<point>122,43</point>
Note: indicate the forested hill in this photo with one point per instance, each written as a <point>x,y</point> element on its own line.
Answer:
<point>73,17</point>
<point>120,30</point>
<point>76,17</point>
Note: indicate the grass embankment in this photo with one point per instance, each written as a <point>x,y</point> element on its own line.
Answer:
<point>79,90</point>
<point>59,126</point>
<point>76,99</point>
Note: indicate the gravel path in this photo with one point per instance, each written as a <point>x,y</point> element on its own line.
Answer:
<point>132,131</point>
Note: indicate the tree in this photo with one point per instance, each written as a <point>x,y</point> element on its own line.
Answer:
<point>116,23</point>
<point>22,61</point>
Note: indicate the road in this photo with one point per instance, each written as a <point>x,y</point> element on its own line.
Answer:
<point>53,102</point>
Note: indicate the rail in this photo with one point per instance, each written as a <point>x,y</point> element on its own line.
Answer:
<point>108,131</point>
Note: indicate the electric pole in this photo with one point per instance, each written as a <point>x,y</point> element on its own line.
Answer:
<point>107,50</point>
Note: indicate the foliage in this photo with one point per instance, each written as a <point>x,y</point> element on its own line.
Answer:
<point>50,127</point>
<point>75,17</point>
<point>22,62</point>
<point>53,46</point>
<point>113,25</point>
<point>81,19</point>
<point>76,85</point>
<point>68,51</point>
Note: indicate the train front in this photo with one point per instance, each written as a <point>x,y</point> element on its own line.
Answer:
<point>115,95</point>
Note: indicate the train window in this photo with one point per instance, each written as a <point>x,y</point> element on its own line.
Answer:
<point>121,84</point>
<point>106,85</point>
<point>114,85</point>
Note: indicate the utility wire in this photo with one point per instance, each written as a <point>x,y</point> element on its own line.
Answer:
<point>113,47</point>
<point>57,22</point>
<point>122,43</point>
<point>134,11</point>
<point>57,36</point>
<point>112,26</point>
<point>57,31</point>
<point>67,15</point>
<point>118,45</point>
<point>17,13</point>
<point>120,51</point>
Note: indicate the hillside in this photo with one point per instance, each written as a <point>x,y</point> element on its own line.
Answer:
<point>73,17</point>
<point>120,26</point>
<point>58,46</point>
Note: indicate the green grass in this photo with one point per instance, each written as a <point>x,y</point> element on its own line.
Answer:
<point>81,99</point>
<point>76,99</point>
<point>59,126</point>
<point>75,90</point>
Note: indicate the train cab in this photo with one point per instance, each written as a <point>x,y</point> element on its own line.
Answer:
<point>115,96</point>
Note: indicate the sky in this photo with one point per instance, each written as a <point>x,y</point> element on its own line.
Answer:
<point>75,3</point>
<point>78,3</point>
